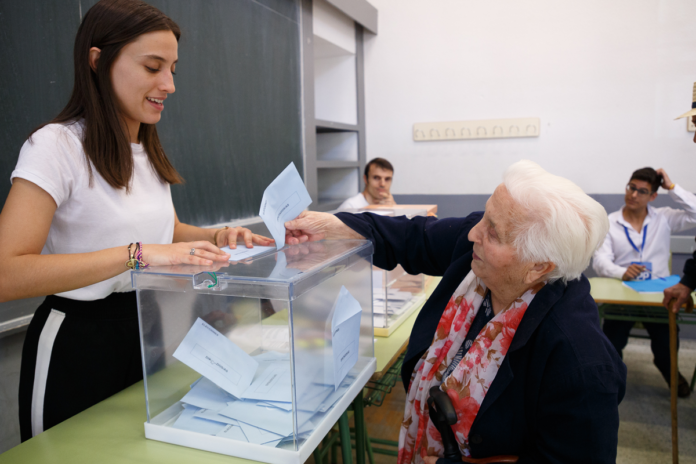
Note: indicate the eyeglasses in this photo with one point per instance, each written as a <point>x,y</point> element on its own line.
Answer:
<point>630,188</point>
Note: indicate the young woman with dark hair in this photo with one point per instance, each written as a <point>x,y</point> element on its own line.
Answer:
<point>91,191</point>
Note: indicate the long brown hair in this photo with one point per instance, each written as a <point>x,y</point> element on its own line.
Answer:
<point>110,25</point>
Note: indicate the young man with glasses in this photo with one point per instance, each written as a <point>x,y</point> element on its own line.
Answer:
<point>637,247</point>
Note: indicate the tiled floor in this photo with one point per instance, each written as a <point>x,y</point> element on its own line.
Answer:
<point>644,433</point>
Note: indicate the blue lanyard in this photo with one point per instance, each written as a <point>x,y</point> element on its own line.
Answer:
<point>642,246</point>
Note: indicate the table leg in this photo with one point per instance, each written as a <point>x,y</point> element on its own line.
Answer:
<point>674,383</point>
<point>368,445</point>
<point>344,430</point>
<point>359,416</point>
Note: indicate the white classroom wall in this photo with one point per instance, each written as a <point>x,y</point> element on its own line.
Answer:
<point>607,79</point>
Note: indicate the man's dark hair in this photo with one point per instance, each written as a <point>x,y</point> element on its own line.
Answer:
<point>648,175</point>
<point>380,163</point>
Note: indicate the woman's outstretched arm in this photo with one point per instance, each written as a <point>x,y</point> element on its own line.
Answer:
<point>24,272</point>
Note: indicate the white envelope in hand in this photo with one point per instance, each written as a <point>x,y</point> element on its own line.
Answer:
<point>345,334</point>
<point>211,354</point>
<point>283,200</point>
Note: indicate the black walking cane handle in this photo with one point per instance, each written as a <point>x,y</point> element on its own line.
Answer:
<point>443,415</point>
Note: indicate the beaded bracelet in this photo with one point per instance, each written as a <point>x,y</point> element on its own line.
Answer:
<point>139,257</point>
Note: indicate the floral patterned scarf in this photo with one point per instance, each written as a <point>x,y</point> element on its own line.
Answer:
<point>468,384</point>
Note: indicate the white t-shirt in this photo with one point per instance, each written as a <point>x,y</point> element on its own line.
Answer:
<point>94,218</point>
<point>356,202</point>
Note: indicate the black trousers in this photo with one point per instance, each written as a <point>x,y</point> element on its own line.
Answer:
<point>76,354</point>
<point>617,333</point>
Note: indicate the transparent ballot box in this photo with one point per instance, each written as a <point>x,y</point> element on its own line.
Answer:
<point>257,359</point>
<point>397,295</point>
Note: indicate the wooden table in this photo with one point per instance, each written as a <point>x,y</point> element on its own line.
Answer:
<point>619,302</point>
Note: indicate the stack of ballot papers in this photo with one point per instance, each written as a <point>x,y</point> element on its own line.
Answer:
<point>394,305</point>
<point>397,302</point>
<point>263,416</point>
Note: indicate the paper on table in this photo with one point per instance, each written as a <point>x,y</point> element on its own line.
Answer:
<point>188,421</point>
<point>276,338</point>
<point>211,354</point>
<point>242,252</point>
<point>345,333</point>
<point>206,395</point>
<point>270,354</point>
<point>283,200</point>
<point>395,296</point>
<point>653,285</point>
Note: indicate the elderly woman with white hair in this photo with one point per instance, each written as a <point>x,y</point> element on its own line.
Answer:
<point>511,333</point>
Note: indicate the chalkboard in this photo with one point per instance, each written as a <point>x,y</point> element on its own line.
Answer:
<point>232,125</point>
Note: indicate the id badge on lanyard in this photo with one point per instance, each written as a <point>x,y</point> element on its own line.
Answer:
<point>647,273</point>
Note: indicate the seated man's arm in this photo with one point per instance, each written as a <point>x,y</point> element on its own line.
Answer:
<point>681,219</point>
<point>603,261</point>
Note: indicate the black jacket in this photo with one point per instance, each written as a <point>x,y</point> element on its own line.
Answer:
<point>555,398</point>
<point>689,278</point>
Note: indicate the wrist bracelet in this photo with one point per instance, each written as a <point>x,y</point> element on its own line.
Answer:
<point>139,257</point>
<point>136,262</point>
<point>216,234</point>
<point>130,264</point>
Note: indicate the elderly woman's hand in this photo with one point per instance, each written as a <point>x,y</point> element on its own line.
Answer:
<point>311,226</point>
<point>678,295</point>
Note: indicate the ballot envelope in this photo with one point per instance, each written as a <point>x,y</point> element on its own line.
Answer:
<point>257,358</point>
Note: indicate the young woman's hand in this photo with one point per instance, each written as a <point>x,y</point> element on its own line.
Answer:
<point>200,253</point>
<point>230,237</point>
